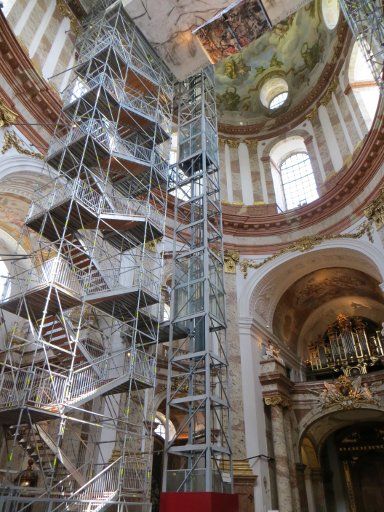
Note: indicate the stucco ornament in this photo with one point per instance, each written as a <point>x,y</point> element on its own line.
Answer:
<point>307,243</point>
<point>346,393</point>
<point>231,259</point>
<point>7,116</point>
<point>375,211</point>
<point>11,140</point>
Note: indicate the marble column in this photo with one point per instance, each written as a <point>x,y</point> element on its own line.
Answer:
<point>318,489</point>
<point>266,162</point>
<point>325,156</point>
<point>223,173</point>
<point>283,480</point>
<point>255,170</point>
<point>235,170</point>
<point>358,116</point>
<point>301,485</point>
<point>319,178</point>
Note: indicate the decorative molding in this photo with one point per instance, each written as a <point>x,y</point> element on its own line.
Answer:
<point>275,400</point>
<point>67,12</point>
<point>29,87</point>
<point>346,393</point>
<point>7,116</point>
<point>375,211</point>
<point>305,244</point>
<point>231,259</point>
<point>11,140</point>
<point>234,143</point>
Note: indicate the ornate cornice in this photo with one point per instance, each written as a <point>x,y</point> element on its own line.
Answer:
<point>28,86</point>
<point>320,93</point>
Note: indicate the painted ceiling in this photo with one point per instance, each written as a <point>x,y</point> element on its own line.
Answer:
<point>168,26</point>
<point>340,288</point>
<point>296,49</point>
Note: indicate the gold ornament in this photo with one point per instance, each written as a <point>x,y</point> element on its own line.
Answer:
<point>66,12</point>
<point>305,244</point>
<point>275,400</point>
<point>346,393</point>
<point>231,259</point>
<point>11,140</point>
<point>375,211</point>
<point>7,116</point>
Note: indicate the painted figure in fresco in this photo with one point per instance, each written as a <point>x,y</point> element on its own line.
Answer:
<point>229,100</point>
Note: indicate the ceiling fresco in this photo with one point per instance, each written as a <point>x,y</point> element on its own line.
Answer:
<point>313,291</point>
<point>296,49</point>
<point>168,26</point>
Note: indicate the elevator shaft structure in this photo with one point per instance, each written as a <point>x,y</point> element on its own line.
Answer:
<point>366,20</point>
<point>197,391</point>
<point>82,308</point>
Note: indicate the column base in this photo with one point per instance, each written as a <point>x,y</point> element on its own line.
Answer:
<point>198,502</point>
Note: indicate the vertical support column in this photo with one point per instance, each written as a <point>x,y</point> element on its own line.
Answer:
<point>233,146</point>
<point>266,162</point>
<point>283,480</point>
<point>197,385</point>
<point>255,171</point>
<point>318,171</point>
<point>365,19</point>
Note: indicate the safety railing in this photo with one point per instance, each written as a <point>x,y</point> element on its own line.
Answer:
<point>130,364</point>
<point>98,491</point>
<point>55,271</point>
<point>124,53</point>
<point>125,278</point>
<point>38,388</point>
<point>110,203</point>
<point>106,135</point>
<point>142,105</point>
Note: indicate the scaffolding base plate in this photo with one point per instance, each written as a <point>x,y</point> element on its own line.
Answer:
<point>198,501</point>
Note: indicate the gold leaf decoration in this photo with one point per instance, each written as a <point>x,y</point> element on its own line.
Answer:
<point>11,140</point>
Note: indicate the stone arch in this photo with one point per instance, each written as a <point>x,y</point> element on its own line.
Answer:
<point>318,424</point>
<point>266,285</point>
<point>299,132</point>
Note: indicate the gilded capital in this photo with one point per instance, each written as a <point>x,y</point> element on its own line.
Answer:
<point>275,400</point>
<point>7,116</point>
<point>231,259</point>
<point>233,143</point>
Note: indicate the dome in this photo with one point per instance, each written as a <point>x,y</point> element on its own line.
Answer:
<point>293,57</point>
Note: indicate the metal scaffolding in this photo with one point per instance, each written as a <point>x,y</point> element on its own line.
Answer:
<point>82,312</point>
<point>366,20</point>
<point>197,390</point>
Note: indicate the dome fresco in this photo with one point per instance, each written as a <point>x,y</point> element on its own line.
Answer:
<point>296,50</point>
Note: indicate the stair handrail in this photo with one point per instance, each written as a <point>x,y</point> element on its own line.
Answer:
<point>94,479</point>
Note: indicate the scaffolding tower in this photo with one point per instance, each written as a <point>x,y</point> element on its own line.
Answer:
<point>197,389</point>
<point>366,20</point>
<point>82,308</point>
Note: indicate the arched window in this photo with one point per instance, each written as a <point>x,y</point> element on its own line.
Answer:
<point>363,85</point>
<point>292,173</point>
<point>298,181</point>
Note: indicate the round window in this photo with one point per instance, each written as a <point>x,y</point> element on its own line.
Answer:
<point>331,13</point>
<point>274,93</point>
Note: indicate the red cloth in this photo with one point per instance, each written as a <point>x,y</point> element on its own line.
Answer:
<point>198,502</point>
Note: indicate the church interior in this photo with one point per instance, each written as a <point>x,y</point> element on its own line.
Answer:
<point>191,256</point>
